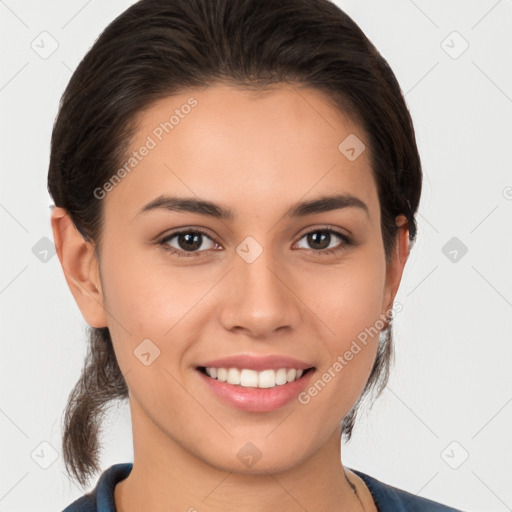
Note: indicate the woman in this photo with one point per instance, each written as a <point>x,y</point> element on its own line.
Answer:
<point>235,183</point>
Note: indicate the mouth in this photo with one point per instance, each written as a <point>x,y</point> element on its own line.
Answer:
<point>255,382</point>
<point>255,391</point>
<point>249,378</point>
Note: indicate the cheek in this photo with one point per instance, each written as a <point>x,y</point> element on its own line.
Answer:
<point>349,304</point>
<point>347,298</point>
<point>134,300</point>
<point>153,301</point>
<point>147,296</point>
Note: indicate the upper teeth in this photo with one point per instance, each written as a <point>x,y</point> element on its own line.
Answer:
<point>254,379</point>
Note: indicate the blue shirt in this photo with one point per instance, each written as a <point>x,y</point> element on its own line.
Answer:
<point>386,497</point>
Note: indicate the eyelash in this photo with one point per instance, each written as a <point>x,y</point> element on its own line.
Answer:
<point>346,241</point>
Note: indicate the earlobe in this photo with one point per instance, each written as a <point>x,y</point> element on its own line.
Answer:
<point>80,267</point>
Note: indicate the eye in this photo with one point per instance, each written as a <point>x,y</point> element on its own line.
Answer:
<point>323,241</point>
<point>187,242</point>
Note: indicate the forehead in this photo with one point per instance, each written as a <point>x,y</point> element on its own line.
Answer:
<point>246,148</point>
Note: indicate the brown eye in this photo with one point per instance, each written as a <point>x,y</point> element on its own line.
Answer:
<point>190,241</point>
<point>325,241</point>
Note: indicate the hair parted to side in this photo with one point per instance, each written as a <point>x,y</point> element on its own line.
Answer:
<point>157,48</point>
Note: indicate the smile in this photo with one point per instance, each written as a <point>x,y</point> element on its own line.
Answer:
<point>255,390</point>
<point>254,379</point>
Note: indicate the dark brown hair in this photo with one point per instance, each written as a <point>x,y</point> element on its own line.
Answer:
<point>157,48</point>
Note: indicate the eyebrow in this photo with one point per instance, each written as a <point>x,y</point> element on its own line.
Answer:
<point>211,209</point>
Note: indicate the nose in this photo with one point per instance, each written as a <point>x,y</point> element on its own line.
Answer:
<point>262,298</point>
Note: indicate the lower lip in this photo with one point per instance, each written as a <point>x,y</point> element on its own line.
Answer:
<point>257,399</point>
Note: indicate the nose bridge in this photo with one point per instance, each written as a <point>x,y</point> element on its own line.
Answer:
<point>261,302</point>
<point>258,276</point>
<point>256,269</point>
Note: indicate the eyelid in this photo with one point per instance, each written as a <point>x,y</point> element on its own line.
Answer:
<point>326,227</point>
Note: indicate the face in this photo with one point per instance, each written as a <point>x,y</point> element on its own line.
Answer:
<point>248,275</point>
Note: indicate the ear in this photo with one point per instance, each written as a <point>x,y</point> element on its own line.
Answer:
<point>80,267</point>
<point>396,265</point>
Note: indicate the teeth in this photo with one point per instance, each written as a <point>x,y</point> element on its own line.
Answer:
<point>253,379</point>
<point>281,376</point>
<point>233,376</point>
<point>267,379</point>
<point>249,378</point>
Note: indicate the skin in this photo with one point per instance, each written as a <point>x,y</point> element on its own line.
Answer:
<point>258,154</point>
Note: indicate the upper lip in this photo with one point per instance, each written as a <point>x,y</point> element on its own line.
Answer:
<point>258,363</point>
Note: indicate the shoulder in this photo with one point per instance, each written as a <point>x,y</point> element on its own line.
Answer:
<point>391,499</point>
<point>101,498</point>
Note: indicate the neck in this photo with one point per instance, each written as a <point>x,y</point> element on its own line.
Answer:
<point>166,477</point>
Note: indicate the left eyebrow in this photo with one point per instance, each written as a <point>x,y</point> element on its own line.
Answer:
<point>327,203</point>
<point>208,208</point>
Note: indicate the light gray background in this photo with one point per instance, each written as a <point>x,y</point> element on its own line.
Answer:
<point>450,393</point>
